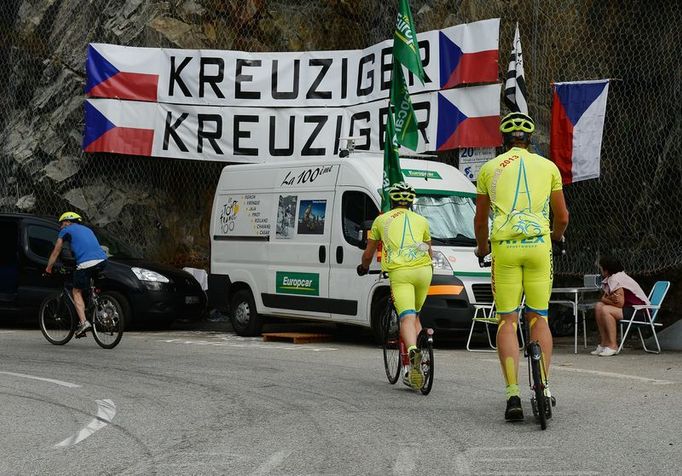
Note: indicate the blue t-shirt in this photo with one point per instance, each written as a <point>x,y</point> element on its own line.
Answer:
<point>84,244</point>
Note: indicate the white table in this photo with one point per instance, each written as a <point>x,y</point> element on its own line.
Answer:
<point>577,293</point>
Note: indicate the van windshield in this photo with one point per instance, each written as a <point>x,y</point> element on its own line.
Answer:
<point>451,219</point>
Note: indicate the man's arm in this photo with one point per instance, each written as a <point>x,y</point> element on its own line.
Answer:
<point>55,254</point>
<point>560,212</point>
<point>481,224</point>
<point>369,253</point>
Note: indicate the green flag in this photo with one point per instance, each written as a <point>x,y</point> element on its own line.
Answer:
<point>405,48</point>
<point>406,126</point>
<point>392,172</point>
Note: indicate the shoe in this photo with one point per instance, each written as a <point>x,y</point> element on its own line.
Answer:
<point>406,376</point>
<point>416,375</point>
<point>514,411</point>
<point>608,352</point>
<point>83,328</point>
<point>598,350</point>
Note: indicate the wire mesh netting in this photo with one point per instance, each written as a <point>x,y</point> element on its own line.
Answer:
<point>162,206</point>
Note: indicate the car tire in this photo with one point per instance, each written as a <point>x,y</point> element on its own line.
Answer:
<point>244,318</point>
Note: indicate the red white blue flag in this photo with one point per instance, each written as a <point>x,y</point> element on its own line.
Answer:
<point>467,117</point>
<point>469,54</point>
<point>138,82</point>
<point>578,112</point>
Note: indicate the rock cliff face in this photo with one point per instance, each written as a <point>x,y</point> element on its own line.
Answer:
<point>161,206</point>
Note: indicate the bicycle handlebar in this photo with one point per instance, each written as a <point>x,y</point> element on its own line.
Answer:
<point>383,274</point>
<point>559,247</point>
<point>56,270</point>
<point>485,261</point>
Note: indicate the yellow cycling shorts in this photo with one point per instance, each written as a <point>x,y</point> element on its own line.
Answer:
<point>522,266</point>
<point>409,287</point>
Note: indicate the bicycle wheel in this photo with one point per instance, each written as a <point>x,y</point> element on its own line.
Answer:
<point>540,407</point>
<point>426,347</point>
<point>107,321</point>
<point>391,342</point>
<point>57,322</point>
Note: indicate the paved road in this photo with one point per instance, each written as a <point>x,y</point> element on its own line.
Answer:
<point>208,402</point>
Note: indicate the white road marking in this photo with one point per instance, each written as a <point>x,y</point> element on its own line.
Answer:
<point>245,344</point>
<point>106,410</point>
<point>463,467</point>
<point>272,462</point>
<point>541,473</point>
<point>406,462</point>
<point>51,380</point>
<point>602,373</point>
<point>615,375</point>
<point>462,464</point>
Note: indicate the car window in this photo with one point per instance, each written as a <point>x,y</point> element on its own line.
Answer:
<point>357,207</point>
<point>41,240</point>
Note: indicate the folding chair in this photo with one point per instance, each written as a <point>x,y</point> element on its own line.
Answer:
<point>485,314</point>
<point>645,315</point>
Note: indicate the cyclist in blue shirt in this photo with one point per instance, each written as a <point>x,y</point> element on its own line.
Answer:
<point>90,258</point>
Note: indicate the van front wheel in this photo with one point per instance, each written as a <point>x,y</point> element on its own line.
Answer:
<point>243,316</point>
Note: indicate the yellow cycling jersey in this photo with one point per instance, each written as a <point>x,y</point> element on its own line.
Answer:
<point>404,234</point>
<point>519,184</point>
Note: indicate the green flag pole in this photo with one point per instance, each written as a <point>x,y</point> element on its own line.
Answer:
<point>392,172</point>
<point>405,47</point>
<point>405,121</point>
<point>405,53</point>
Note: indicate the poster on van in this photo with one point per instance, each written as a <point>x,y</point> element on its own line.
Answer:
<point>286,211</point>
<point>311,216</point>
<point>244,216</point>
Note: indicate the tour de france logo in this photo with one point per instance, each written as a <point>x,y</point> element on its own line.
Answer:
<point>228,215</point>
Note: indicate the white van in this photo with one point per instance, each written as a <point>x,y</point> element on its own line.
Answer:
<point>285,242</point>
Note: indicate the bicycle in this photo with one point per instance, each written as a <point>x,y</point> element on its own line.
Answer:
<point>537,378</point>
<point>58,317</point>
<point>394,349</point>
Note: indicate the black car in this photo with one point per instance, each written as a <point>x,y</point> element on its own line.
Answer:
<point>150,293</point>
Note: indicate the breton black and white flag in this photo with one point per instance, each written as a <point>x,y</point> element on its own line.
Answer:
<point>515,93</point>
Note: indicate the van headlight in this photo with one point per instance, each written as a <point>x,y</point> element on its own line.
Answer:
<point>439,261</point>
<point>149,275</point>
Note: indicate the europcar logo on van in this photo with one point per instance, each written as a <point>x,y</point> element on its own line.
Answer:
<point>297,283</point>
<point>425,174</point>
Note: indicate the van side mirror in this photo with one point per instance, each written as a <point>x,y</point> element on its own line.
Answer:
<point>366,226</point>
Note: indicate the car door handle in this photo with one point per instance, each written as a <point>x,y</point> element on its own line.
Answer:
<point>339,254</point>
<point>323,254</point>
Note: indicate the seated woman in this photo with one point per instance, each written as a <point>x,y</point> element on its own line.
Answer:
<point>621,292</point>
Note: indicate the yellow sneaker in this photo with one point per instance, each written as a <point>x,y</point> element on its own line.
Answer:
<point>416,375</point>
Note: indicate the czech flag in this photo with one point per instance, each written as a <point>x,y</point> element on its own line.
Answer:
<point>102,134</point>
<point>469,54</point>
<point>578,112</point>
<point>105,80</point>
<point>469,117</point>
